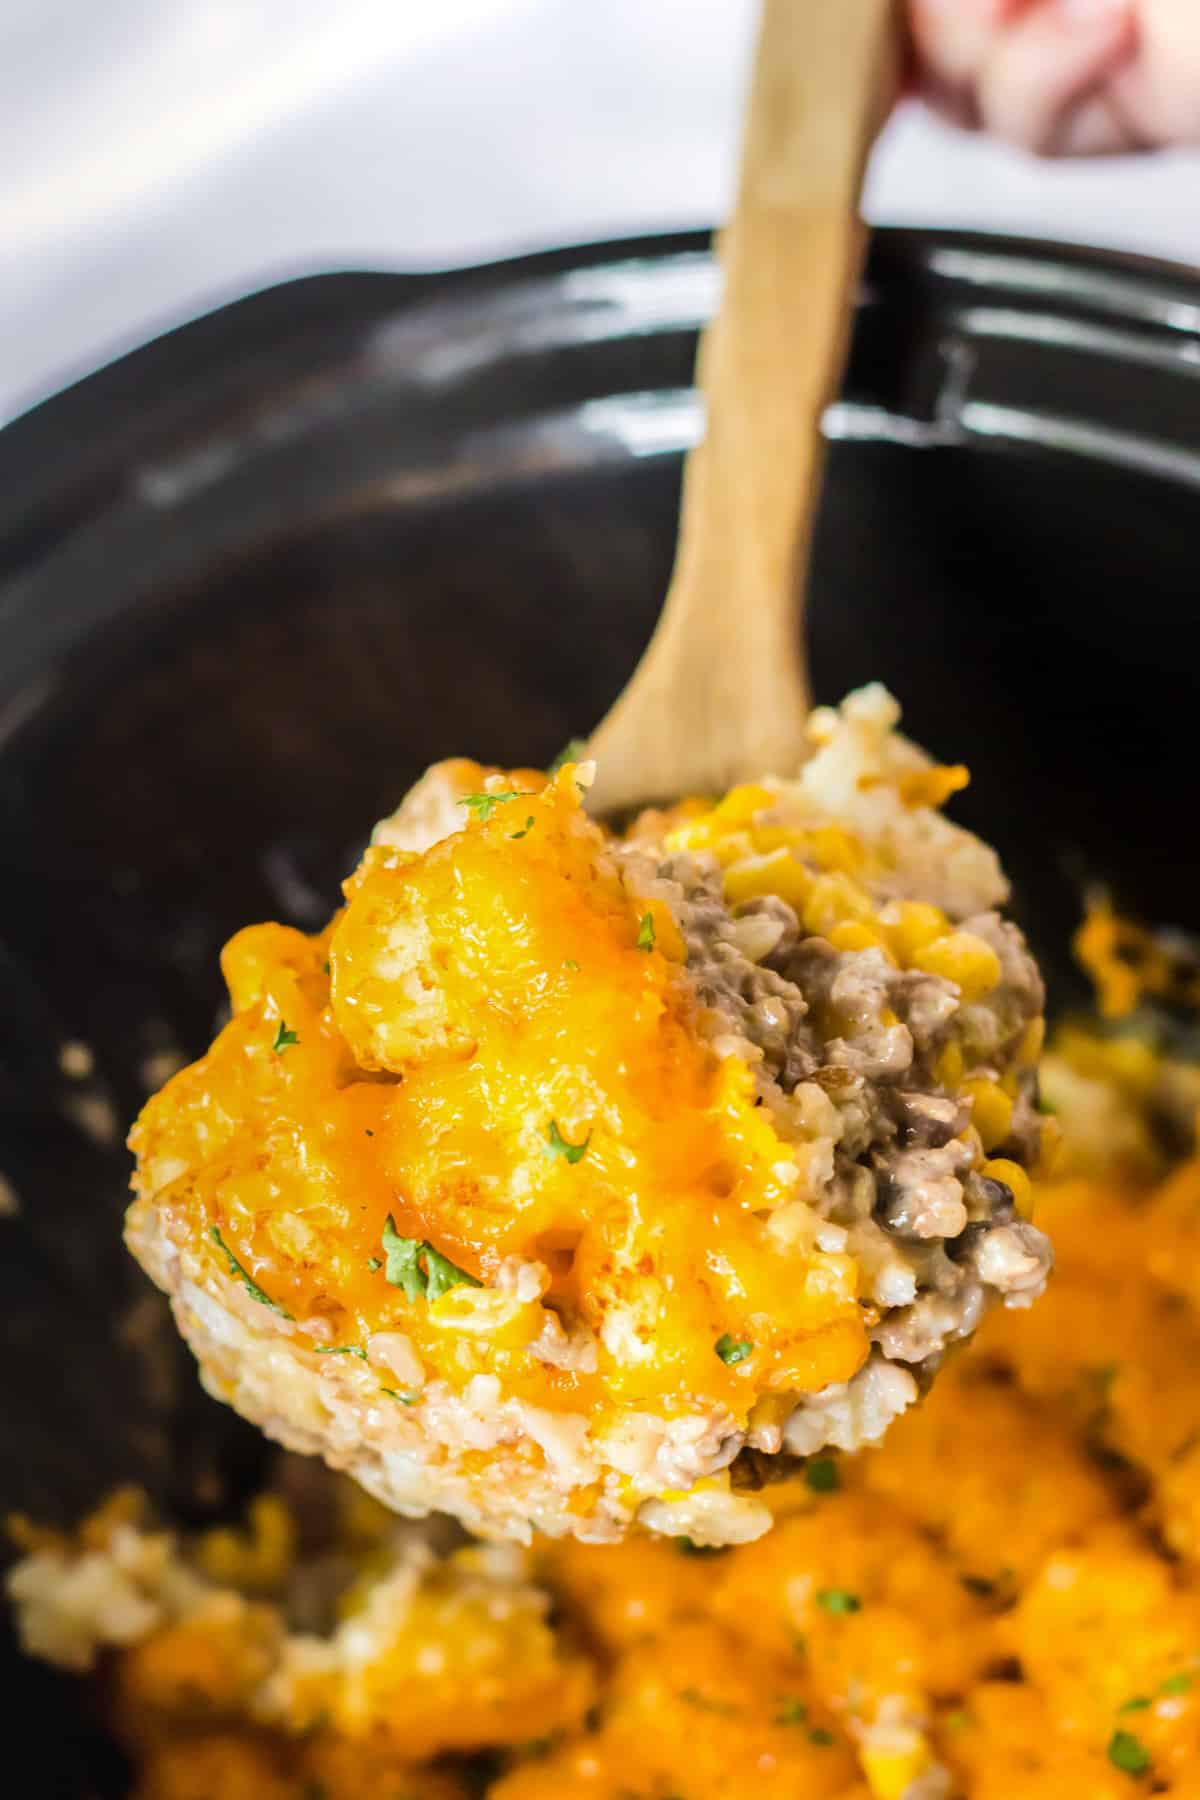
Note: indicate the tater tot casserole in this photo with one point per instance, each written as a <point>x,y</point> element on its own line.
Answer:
<point>567,1179</point>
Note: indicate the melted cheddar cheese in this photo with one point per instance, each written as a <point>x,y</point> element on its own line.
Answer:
<point>543,1094</point>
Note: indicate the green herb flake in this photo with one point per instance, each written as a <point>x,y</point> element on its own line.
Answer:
<point>1128,1753</point>
<point>326,967</point>
<point>441,1274</point>
<point>525,830</point>
<point>822,1475</point>
<point>687,1546</point>
<point>416,1267</point>
<point>374,1263</point>
<point>820,1737</point>
<point>482,806</point>
<point>792,1712</point>
<point>284,1039</point>
<point>733,1350</point>
<point>958,1720</point>
<point>401,1254</point>
<point>1139,1703</point>
<point>572,965</point>
<point>409,1399</point>
<point>645,937</point>
<point>1177,1684</point>
<point>248,1282</point>
<point>838,1601</point>
<point>558,1145</point>
<point>571,752</point>
<point>342,1350</point>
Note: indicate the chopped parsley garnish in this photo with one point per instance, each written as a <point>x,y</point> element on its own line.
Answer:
<point>248,1282</point>
<point>838,1601</point>
<point>482,806</point>
<point>572,965</point>
<point>418,1268</point>
<point>958,1720</point>
<point>367,1132</point>
<point>1128,1753</point>
<point>732,1350</point>
<point>409,1399</point>
<point>1139,1703</point>
<point>284,1039</point>
<point>525,830</point>
<point>558,1145</point>
<point>820,1737</point>
<point>441,1274</point>
<point>342,1350</point>
<point>374,1263</point>
<point>571,751</point>
<point>326,967</point>
<point>1177,1684</point>
<point>822,1475</point>
<point>645,936</point>
<point>792,1712</point>
<point>686,1546</point>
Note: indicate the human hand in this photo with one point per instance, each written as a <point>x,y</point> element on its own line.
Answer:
<point>1064,77</point>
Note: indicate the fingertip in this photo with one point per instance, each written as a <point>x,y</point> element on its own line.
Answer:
<point>1094,127</point>
<point>1040,74</point>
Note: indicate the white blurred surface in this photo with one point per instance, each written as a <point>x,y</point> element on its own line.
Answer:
<point>162,155</point>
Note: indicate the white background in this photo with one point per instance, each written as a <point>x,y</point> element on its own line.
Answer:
<point>161,155</point>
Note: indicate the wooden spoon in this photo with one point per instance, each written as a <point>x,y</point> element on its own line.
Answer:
<point>721,693</point>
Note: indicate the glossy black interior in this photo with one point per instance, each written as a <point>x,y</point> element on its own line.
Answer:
<point>256,576</point>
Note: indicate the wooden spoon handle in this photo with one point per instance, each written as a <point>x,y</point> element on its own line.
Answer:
<point>721,693</point>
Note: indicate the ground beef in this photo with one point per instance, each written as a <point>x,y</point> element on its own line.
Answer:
<point>933,1237</point>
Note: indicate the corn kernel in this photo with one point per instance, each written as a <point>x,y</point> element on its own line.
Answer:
<point>1014,1177</point>
<point>771,1410</point>
<point>833,848</point>
<point>950,1066</point>
<point>964,959</point>
<point>991,1111</point>
<point>741,803</point>
<point>258,1557</point>
<point>933,787</point>
<point>693,834</point>
<point>732,814</point>
<point>502,1318</point>
<point>917,924</point>
<point>851,935</point>
<point>779,837</point>
<point>891,1770</point>
<point>832,899</point>
<point>779,873</point>
<point>1033,1041</point>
